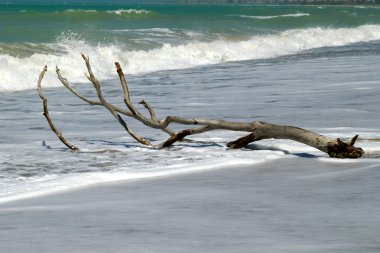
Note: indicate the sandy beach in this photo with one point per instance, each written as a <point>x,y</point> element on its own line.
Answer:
<point>289,205</point>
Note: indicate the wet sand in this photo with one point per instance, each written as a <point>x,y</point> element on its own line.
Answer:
<point>289,205</point>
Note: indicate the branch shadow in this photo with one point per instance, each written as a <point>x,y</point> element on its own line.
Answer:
<point>199,144</point>
<point>287,152</point>
<point>113,143</point>
<point>190,144</point>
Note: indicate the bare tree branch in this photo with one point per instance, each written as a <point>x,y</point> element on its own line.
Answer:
<point>123,81</point>
<point>47,115</point>
<point>67,85</point>
<point>151,123</point>
<point>133,134</point>
<point>257,130</point>
<point>334,148</point>
<point>353,140</point>
<point>182,134</point>
<point>242,142</point>
<point>150,110</point>
<point>110,108</point>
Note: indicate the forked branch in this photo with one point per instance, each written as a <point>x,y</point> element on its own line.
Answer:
<point>153,123</point>
<point>257,130</point>
<point>110,108</point>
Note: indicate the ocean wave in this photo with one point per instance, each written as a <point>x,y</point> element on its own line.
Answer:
<point>73,11</point>
<point>20,73</point>
<point>117,12</point>
<point>147,30</point>
<point>151,32</point>
<point>295,15</point>
<point>161,35</point>
<point>91,13</point>
<point>129,11</point>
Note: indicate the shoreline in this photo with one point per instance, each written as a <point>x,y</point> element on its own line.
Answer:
<point>124,178</point>
<point>286,205</point>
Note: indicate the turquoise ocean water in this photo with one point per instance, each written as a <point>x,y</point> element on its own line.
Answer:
<point>147,38</point>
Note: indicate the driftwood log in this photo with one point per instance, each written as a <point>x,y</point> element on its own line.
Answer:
<point>257,130</point>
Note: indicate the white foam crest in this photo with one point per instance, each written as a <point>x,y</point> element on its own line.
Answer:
<point>295,15</point>
<point>73,10</point>
<point>21,73</point>
<point>257,47</point>
<point>159,30</point>
<point>129,11</point>
<point>117,12</point>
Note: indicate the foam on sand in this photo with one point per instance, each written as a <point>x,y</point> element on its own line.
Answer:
<point>28,187</point>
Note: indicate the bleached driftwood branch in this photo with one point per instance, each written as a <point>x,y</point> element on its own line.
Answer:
<point>257,130</point>
<point>47,115</point>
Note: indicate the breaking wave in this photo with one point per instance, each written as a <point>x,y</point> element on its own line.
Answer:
<point>119,12</point>
<point>129,11</point>
<point>296,15</point>
<point>20,73</point>
<point>98,14</point>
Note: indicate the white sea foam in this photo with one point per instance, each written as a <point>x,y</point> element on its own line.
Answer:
<point>160,30</point>
<point>295,15</point>
<point>15,189</point>
<point>117,12</point>
<point>165,164</point>
<point>21,73</point>
<point>129,11</point>
<point>144,34</point>
<point>73,10</point>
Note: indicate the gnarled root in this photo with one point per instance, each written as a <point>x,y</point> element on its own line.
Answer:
<point>341,149</point>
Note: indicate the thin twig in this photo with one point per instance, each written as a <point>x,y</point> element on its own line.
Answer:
<point>150,110</point>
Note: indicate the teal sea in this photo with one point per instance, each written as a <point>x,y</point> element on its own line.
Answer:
<point>148,38</point>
